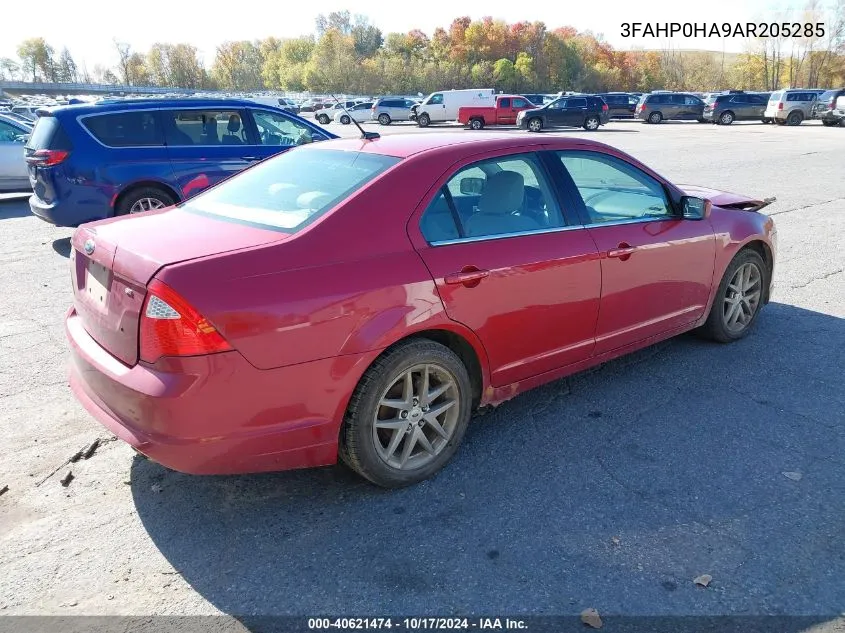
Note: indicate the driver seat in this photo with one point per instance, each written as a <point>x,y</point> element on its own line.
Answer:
<point>233,128</point>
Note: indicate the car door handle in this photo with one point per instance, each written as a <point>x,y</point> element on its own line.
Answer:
<point>469,276</point>
<point>623,251</point>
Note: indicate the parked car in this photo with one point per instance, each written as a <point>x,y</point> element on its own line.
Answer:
<point>791,107</point>
<point>326,115</point>
<point>503,111</point>
<point>724,109</point>
<point>389,109</point>
<point>353,298</point>
<point>538,100</point>
<point>13,171</point>
<point>660,106</point>
<point>826,108</point>
<point>29,112</point>
<point>288,104</point>
<point>586,111</point>
<point>621,105</point>
<point>360,112</point>
<point>310,105</point>
<point>443,106</point>
<point>93,161</point>
<point>17,118</point>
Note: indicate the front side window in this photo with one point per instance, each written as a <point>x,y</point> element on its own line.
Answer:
<point>492,198</point>
<point>291,190</point>
<point>613,190</point>
<point>203,127</point>
<point>436,99</point>
<point>277,129</point>
<point>504,103</point>
<point>9,133</point>
<point>557,104</point>
<point>125,129</point>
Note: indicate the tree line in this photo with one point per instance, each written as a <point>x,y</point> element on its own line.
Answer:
<point>348,54</point>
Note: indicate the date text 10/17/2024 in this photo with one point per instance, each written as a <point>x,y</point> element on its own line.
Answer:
<point>724,29</point>
<point>417,623</point>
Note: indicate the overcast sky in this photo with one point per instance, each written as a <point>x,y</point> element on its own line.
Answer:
<point>87,27</point>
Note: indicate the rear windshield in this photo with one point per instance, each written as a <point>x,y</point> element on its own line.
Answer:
<point>292,190</point>
<point>776,96</point>
<point>830,95</point>
<point>48,134</point>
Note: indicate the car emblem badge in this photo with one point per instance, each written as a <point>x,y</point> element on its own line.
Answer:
<point>89,246</point>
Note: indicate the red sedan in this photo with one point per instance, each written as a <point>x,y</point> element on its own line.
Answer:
<point>361,297</point>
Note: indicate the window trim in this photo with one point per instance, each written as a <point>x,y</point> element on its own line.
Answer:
<point>568,183</point>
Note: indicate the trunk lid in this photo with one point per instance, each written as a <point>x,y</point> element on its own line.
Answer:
<point>113,260</point>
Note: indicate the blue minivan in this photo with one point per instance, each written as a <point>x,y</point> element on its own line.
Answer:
<point>93,161</point>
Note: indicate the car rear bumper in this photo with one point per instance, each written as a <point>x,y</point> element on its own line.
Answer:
<point>65,213</point>
<point>709,115</point>
<point>216,414</point>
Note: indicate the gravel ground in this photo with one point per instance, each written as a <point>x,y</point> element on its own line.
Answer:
<point>611,489</point>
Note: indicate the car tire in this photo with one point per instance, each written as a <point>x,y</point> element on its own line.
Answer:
<point>535,124</point>
<point>423,120</point>
<point>655,118</point>
<point>476,124</point>
<point>724,324</point>
<point>726,118</point>
<point>143,199</point>
<point>345,120</point>
<point>393,455</point>
<point>322,118</point>
<point>384,118</point>
<point>766,121</point>
<point>592,123</point>
<point>794,118</point>
<point>704,121</point>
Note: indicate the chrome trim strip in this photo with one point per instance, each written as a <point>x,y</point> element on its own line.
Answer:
<point>484,238</point>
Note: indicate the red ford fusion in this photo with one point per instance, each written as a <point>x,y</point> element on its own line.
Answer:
<point>361,297</point>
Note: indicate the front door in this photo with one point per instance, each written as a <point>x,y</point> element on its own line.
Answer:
<point>657,268</point>
<point>513,271</point>
<point>275,132</point>
<point>576,111</point>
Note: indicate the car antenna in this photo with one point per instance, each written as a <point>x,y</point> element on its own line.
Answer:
<point>367,136</point>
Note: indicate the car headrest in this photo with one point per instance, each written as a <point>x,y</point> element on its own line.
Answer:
<point>503,193</point>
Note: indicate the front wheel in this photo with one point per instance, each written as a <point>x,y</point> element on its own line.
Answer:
<point>592,123</point>
<point>345,120</point>
<point>408,414</point>
<point>423,120</point>
<point>738,299</point>
<point>384,118</point>
<point>535,124</point>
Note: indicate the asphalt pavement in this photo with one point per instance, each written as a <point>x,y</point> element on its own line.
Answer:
<point>611,489</point>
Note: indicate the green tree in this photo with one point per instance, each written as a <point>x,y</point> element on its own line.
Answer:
<point>37,59</point>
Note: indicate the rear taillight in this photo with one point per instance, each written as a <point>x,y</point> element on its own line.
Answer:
<point>171,327</point>
<point>47,157</point>
<point>780,106</point>
<point>831,105</point>
<point>604,107</point>
<point>640,107</point>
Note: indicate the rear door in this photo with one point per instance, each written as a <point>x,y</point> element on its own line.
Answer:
<point>756,107</point>
<point>518,274</point>
<point>575,111</point>
<point>207,145</point>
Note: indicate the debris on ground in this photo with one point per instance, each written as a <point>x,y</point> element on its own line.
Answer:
<point>615,541</point>
<point>86,452</point>
<point>703,580</point>
<point>92,448</point>
<point>591,618</point>
<point>156,488</point>
<point>794,476</point>
<point>67,479</point>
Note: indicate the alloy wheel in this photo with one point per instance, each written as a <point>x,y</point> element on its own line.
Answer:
<point>146,204</point>
<point>742,297</point>
<point>535,125</point>
<point>416,417</point>
<point>592,123</point>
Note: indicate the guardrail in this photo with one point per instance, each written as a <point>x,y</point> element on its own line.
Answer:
<point>91,88</point>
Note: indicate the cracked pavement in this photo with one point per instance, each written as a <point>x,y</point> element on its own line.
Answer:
<point>612,489</point>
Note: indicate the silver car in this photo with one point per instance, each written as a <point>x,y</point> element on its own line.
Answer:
<point>389,109</point>
<point>14,174</point>
<point>792,106</point>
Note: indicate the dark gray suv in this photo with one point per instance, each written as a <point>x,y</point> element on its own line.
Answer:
<point>655,107</point>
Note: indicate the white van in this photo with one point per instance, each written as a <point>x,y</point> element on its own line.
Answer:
<point>443,105</point>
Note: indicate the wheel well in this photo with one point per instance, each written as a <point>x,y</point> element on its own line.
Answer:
<point>763,250</point>
<point>731,112</point>
<point>464,350</point>
<point>146,183</point>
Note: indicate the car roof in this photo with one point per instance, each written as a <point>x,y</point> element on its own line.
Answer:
<point>406,145</point>
<point>108,105</point>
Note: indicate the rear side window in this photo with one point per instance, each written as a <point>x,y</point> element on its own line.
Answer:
<point>204,127</point>
<point>775,97</point>
<point>125,129</point>
<point>578,102</point>
<point>48,134</point>
<point>793,96</point>
<point>292,190</point>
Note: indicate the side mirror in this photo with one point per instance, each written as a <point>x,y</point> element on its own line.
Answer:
<point>472,186</point>
<point>694,208</point>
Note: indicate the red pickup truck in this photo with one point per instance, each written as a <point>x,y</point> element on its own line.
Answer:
<point>503,113</point>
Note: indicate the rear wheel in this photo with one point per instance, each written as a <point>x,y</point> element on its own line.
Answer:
<point>143,199</point>
<point>476,124</point>
<point>766,121</point>
<point>794,118</point>
<point>738,299</point>
<point>384,118</point>
<point>535,124</point>
<point>423,120</point>
<point>726,118</point>
<point>592,123</point>
<point>655,117</point>
<point>408,414</point>
<point>323,118</point>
